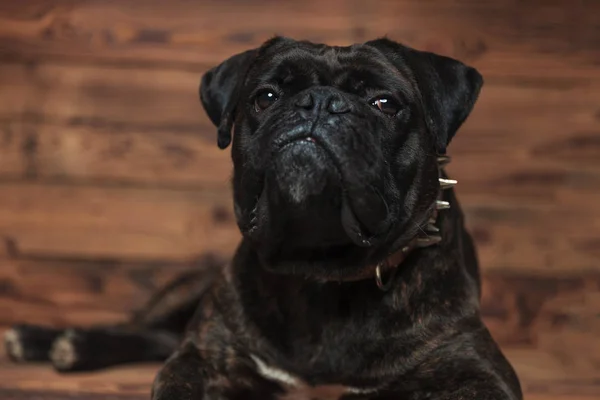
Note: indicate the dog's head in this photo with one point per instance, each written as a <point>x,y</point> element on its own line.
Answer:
<point>334,148</point>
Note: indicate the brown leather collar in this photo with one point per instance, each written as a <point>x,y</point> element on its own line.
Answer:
<point>430,236</point>
<point>390,264</point>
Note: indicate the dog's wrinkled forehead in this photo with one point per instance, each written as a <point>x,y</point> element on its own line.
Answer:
<point>355,69</point>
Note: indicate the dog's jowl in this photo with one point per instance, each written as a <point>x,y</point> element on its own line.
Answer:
<point>355,277</point>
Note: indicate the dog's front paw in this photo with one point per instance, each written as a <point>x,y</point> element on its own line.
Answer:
<point>70,351</point>
<point>29,343</point>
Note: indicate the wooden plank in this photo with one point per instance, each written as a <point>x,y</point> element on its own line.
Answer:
<point>487,32</point>
<point>18,394</point>
<point>193,34</point>
<point>116,222</point>
<point>113,97</point>
<point>520,119</point>
<point>528,239</point>
<point>150,32</point>
<point>520,308</point>
<point>91,155</point>
<point>547,327</point>
<point>63,293</point>
<point>125,381</point>
<point>543,375</point>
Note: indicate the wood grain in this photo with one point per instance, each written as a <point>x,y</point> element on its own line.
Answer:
<point>101,96</point>
<point>133,156</point>
<point>111,183</point>
<point>140,32</point>
<point>147,32</point>
<point>83,293</point>
<point>115,222</point>
<point>125,381</point>
<point>491,34</point>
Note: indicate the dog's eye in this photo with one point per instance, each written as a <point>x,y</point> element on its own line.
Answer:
<point>264,99</point>
<point>386,105</point>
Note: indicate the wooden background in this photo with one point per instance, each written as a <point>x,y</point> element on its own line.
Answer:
<point>111,181</point>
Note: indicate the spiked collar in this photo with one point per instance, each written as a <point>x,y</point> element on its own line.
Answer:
<point>428,237</point>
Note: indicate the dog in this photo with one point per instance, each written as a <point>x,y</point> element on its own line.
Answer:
<point>355,277</point>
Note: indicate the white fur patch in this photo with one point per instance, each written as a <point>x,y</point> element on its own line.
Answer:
<point>13,343</point>
<point>275,374</point>
<point>284,377</point>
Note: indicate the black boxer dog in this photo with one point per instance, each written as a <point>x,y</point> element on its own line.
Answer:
<point>356,278</point>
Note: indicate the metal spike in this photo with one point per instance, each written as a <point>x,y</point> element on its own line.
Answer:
<point>443,160</point>
<point>432,228</point>
<point>442,205</point>
<point>447,183</point>
<point>428,241</point>
<point>432,221</point>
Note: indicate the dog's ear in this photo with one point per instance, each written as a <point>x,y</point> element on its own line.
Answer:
<point>449,88</point>
<point>220,90</point>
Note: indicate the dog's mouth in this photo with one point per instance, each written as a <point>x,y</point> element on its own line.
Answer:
<point>307,181</point>
<point>306,139</point>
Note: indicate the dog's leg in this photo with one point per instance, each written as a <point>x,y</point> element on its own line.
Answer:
<point>468,367</point>
<point>95,348</point>
<point>188,376</point>
<point>151,335</point>
<point>173,306</point>
<point>26,343</point>
<point>87,349</point>
<point>78,349</point>
<point>180,378</point>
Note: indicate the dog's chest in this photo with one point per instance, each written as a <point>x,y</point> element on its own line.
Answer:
<point>297,389</point>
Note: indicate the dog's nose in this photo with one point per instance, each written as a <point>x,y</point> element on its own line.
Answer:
<point>327,100</point>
